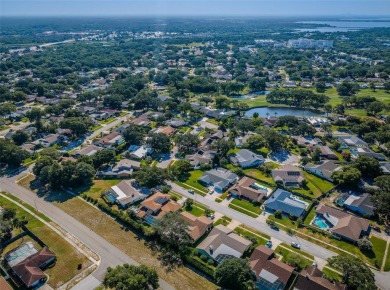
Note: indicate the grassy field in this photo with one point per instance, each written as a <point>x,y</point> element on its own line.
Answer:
<point>196,211</point>
<point>248,235</point>
<point>259,175</point>
<point>128,242</point>
<point>193,180</point>
<point>99,186</point>
<point>331,274</point>
<point>68,258</point>
<point>387,264</point>
<point>286,252</point>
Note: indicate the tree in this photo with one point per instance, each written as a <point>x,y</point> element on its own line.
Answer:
<point>372,87</point>
<point>348,176</point>
<point>41,163</point>
<point>303,129</point>
<point>223,146</point>
<point>186,142</point>
<point>346,89</point>
<point>181,168</point>
<point>255,142</point>
<point>11,154</point>
<point>257,85</point>
<point>368,166</point>
<point>364,244</point>
<point>327,128</point>
<point>51,153</point>
<point>289,121</point>
<point>339,109</point>
<point>381,198</point>
<point>20,137</point>
<point>134,134</point>
<point>234,274</point>
<point>173,230</point>
<point>160,142</point>
<point>320,87</point>
<point>103,157</point>
<point>355,271</point>
<point>7,108</point>
<point>130,277</point>
<point>316,154</point>
<point>375,107</point>
<point>150,176</point>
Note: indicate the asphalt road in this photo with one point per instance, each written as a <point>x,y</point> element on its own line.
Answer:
<point>382,278</point>
<point>110,255</point>
<point>109,126</point>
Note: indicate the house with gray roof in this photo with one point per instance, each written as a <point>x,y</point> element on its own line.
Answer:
<point>286,202</point>
<point>288,176</point>
<point>201,157</point>
<point>175,123</point>
<point>89,150</point>
<point>352,141</point>
<point>222,243</point>
<point>361,204</point>
<point>385,166</point>
<point>219,178</point>
<point>323,169</point>
<point>127,192</point>
<point>246,158</point>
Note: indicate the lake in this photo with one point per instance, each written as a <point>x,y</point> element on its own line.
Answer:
<point>282,111</point>
<point>343,26</point>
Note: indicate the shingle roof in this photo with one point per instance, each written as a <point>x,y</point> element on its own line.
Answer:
<point>286,202</point>
<point>362,202</point>
<point>245,188</point>
<point>288,173</point>
<point>311,278</point>
<point>220,177</point>
<point>198,225</point>
<point>262,258</point>
<point>344,224</point>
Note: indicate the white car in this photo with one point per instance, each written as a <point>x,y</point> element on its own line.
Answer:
<point>295,245</point>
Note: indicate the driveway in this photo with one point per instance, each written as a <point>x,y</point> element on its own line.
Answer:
<point>284,157</point>
<point>321,254</point>
<point>167,158</point>
<point>206,124</point>
<point>110,255</point>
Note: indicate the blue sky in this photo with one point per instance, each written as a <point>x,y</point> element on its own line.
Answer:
<point>194,7</point>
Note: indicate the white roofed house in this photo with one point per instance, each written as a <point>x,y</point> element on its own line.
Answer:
<point>220,178</point>
<point>246,158</point>
<point>127,192</point>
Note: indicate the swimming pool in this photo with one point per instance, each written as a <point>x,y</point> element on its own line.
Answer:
<point>321,223</point>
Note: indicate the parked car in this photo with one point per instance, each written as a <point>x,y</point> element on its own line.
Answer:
<point>191,191</point>
<point>295,245</point>
<point>269,244</point>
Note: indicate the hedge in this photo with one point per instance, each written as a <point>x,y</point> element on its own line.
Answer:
<point>200,266</point>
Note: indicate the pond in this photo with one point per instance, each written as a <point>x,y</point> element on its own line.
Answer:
<point>344,26</point>
<point>282,111</point>
<point>251,95</point>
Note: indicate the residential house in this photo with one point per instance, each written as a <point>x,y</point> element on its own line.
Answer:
<point>28,267</point>
<point>271,274</point>
<point>307,141</point>
<point>201,157</point>
<point>29,147</point>
<point>342,224</point>
<point>327,153</point>
<point>109,140</point>
<point>250,189</point>
<point>49,140</point>
<point>156,206</point>
<point>140,152</point>
<point>361,204</point>
<point>123,168</point>
<point>175,123</point>
<point>312,278</point>
<point>288,175</point>
<point>166,130</point>
<point>286,202</point>
<point>141,120</point>
<point>219,178</point>
<point>246,158</point>
<point>385,166</point>
<point>127,192</point>
<point>198,226</point>
<point>241,140</point>
<point>89,150</point>
<point>222,243</point>
<point>353,141</point>
<point>323,169</point>
<point>369,153</point>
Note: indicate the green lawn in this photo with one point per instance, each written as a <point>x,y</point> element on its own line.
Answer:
<point>315,186</point>
<point>107,121</point>
<point>196,211</point>
<point>247,205</point>
<point>193,180</point>
<point>310,216</point>
<point>332,275</point>
<point>99,186</point>
<point>378,247</point>
<point>259,175</point>
<point>387,264</point>
<point>223,221</point>
<point>244,211</point>
<point>248,235</point>
<point>285,254</point>
<point>68,257</point>
<point>284,220</point>
<point>291,249</point>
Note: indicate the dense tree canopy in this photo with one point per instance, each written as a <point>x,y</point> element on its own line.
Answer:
<point>234,274</point>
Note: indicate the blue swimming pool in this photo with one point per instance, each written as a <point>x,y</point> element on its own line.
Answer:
<point>111,198</point>
<point>321,223</point>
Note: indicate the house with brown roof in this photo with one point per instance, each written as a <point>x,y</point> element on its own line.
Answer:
<point>222,243</point>
<point>270,272</point>
<point>109,140</point>
<point>198,226</point>
<point>166,130</point>
<point>288,175</point>
<point>156,206</point>
<point>249,188</point>
<point>312,278</point>
<point>342,224</point>
<point>29,271</point>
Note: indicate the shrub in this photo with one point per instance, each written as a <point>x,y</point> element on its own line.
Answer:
<point>204,258</point>
<point>278,213</point>
<point>210,262</point>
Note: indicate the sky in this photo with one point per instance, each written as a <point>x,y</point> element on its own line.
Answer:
<point>194,7</point>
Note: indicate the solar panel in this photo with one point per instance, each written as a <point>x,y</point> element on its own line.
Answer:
<point>161,200</point>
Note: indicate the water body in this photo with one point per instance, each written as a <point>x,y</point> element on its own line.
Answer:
<point>251,95</point>
<point>343,26</point>
<point>281,111</point>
